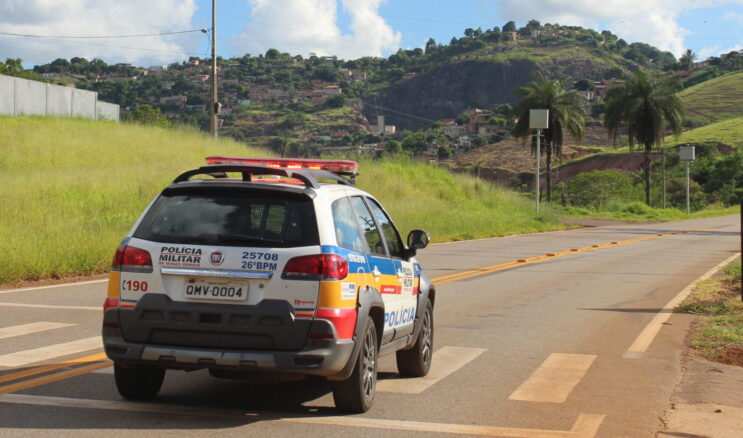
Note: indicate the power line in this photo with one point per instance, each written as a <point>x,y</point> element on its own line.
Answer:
<point>120,47</point>
<point>101,36</point>
<point>421,119</point>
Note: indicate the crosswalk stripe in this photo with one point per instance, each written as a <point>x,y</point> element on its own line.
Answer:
<point>555,379</point>
<point>26,357</point>
<point>585,426</point>
<point>52,286</point>
<point>445,361</point>
<point>51,306</point>
<point>27,329</point>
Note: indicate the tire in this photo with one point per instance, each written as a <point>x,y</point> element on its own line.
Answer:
<point>356,394</point>
<point>416,361</point>
<point>138,383</point>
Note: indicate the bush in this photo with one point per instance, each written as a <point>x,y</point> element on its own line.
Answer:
<point>676,194</point>
<point>598,188</point>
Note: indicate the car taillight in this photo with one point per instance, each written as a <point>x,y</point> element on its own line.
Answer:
<point>316,267</point>
<point>111,303</point>
<point>131,259</point>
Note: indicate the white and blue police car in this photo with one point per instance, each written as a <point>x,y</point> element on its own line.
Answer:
<point>256,266</point>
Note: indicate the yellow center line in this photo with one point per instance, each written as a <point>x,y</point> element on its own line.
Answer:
<point>51,367</point>
<point>7,389</point>
<point>466,275</point>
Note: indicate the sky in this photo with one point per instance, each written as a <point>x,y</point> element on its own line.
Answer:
<point>347,28</point>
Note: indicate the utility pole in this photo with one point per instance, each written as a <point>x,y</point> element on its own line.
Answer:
<point>215,104</point>
<point>538,119</point>
<point>686,154</point>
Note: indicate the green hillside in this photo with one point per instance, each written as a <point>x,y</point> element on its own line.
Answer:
<point>729,132</point>
<point>715,100</point>
<point>72,188</point>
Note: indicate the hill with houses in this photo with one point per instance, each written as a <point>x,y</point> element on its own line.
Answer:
<point>440,100</point>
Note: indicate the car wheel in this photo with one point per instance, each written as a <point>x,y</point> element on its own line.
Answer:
<point>356,393</point>
<point>138,383</point>
<point>416,361</point>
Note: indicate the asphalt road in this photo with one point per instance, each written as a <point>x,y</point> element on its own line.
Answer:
<point>527,345</point>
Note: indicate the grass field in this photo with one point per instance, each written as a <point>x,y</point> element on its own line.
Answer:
<point>73,188</point>
<point>729,132</point>
<point>639,212</point>
<point>715,100</point>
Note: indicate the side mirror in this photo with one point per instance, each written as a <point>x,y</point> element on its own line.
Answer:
<point>418,239</point>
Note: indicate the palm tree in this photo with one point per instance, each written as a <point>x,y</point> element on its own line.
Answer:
<point>565,112</point>
<point>687,59</point>
<point>647,106</point>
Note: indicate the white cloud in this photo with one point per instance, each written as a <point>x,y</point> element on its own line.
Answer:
<point>716,51</point>
<point>650,21</point>
<point>311,26</point>
<point>95,18</point>
<point>733,16</point>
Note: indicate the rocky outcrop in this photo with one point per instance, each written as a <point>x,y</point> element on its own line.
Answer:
<point>448,89</point>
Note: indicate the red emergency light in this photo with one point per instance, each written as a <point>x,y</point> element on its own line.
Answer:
<point>340,167</point>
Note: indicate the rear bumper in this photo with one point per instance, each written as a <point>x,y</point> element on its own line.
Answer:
<point>162,333</point>
<point>320,357</point>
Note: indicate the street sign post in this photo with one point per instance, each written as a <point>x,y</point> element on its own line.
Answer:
<point>686,154</point>
<point>538,119</point>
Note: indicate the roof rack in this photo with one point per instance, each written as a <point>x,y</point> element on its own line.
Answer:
<point>307,177</point>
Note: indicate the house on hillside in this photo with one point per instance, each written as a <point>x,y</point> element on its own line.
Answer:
<point>511,36</point>
<point>177,101</point>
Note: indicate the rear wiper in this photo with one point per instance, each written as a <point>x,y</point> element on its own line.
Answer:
<point>244,238</point>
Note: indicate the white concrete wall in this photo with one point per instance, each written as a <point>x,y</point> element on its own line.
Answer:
<point>58,101</point>
<point>83,104</point>
<point>107,111</point>
<point>7,95</point>
<point>30,97</point>
<point>24,97</point>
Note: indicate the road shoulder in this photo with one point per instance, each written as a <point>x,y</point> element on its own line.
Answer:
<point>708,402</point>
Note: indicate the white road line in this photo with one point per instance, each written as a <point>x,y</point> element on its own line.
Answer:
<point>27,329</point>
<point>555,379</point>
<point>23,358</point>
<point>646,337</point>
<point>445,361</point>
<point>52,286</point>
<point>109,370</point>
<point>585,426</point>
<point>51,306</point>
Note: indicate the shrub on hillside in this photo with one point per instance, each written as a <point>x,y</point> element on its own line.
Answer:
<point>676,194</point>
<point>598,188</point>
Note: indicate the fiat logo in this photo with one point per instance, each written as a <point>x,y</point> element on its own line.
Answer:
<point>216,258</point>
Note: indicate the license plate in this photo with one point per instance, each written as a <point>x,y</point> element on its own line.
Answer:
<point>210,290</point>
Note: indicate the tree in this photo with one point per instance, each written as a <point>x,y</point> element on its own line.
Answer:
<point>147,115</point>
<point>565,113</point>
<point>431,46</point>
<point>509,27</point>
<point>585,85</point>
<point>687,59</point>
<point>647,106</point>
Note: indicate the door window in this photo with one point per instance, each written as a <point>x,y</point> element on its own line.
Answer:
<point>391,236</point>
<point>368,227</point>
<point>346,231</point>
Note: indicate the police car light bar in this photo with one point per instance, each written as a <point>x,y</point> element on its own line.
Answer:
<point>340,167</point>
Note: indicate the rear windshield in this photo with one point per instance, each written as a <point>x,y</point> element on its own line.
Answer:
<point>230,218</point>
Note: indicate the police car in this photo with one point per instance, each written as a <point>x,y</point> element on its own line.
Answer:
<point>250,267</point>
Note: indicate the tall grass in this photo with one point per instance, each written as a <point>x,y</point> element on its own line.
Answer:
<point>729,132</point>
<point>71,189</point>
<point>450,206</point>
